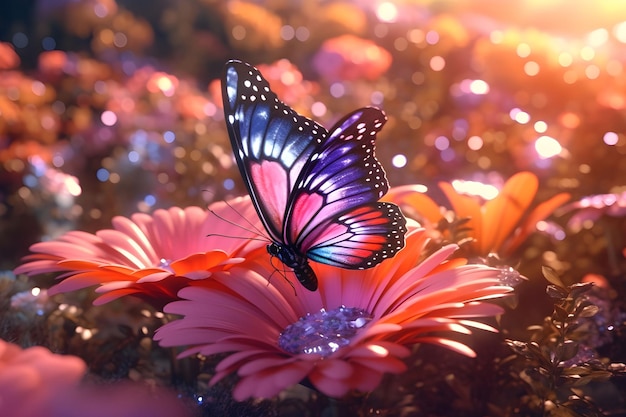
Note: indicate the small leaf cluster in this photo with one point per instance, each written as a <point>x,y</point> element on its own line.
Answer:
<point>558,362</point>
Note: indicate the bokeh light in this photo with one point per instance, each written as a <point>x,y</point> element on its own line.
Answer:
<point>437,63</point>
<point>109,109</point>
<point>610,138</point>
<point>476,188</point>
<point>399,161</point>
<point>547,147</point>
<point>519,116</point>
<point>387,12</point>
<point>108,118</point>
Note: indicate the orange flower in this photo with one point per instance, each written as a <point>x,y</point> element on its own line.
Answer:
<point>150,256</point>
<point>345,336</point>
<point>499,225</point>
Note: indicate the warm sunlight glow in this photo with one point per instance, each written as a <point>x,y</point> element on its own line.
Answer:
<point>484,191</point>
<point>547,147</point>
<point>387,12</point>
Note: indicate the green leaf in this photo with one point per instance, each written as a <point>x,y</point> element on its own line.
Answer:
<point>560,314</point>
<point>589,311</point>
<point>552,276</point>
<point>579,289</point>
<point>556,292</point>
<point>567,350</point>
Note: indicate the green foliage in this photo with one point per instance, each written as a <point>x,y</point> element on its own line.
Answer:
<point>556,364</point>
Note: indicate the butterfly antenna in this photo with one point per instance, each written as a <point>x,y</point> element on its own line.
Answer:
<point>282,272</point>
<point>259,239</point>
<point>256,229</point>
<point>252,229</point>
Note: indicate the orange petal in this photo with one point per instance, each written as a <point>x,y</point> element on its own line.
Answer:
<point>465,207</point>
<point>413,201</point>
<point>503,213</point>
<point>199,262</point>
<point>539,213</point>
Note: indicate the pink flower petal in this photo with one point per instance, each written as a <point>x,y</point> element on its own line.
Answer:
<point>450,344</point>
<point>241,312</point>
<point>154,251</point>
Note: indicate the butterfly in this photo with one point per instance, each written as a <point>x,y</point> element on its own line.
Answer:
<point>315,191</point>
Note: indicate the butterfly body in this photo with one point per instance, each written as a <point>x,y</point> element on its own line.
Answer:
<point>316,191</point>
<point>297,262</point>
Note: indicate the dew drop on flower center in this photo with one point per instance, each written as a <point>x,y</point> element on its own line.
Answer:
<point>324,332</point>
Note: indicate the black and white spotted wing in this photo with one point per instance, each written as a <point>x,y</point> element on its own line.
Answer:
<point>316,192</point>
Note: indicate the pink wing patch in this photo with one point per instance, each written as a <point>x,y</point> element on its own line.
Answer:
<point>270,180</point>
<point>304,210</point>
<point>358,238</point>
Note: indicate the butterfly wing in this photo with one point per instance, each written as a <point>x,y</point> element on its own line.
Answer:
<point>335,217</point>
<point>271,142</point>
<point>361,238</point>
<point>316,193</point>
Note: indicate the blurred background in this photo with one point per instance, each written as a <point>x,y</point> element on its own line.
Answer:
<point>111,107</point>
<point>114,107</point>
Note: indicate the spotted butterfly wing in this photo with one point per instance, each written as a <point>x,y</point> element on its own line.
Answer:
<point>315,191</point>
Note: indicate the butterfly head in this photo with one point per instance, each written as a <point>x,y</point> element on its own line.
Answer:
<point>297,262</point>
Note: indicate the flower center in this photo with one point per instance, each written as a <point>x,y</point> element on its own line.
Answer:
<point>323,332</point>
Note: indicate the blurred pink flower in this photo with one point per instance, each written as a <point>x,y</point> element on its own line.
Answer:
<point>591,208</point>
<point>287,81</point>
<point>35,382</point>
<point>8,58</point>
<point>348,57</point>
<point>149,256</point>
<point>31,379</point>
<point>345,336</point>
<point>161,82</point>
<point>190,104</point>
<point>53,64</point>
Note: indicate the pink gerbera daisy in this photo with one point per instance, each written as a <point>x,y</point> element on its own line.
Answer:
<point>31,379</point>
<point>150,256</point>
<point>345,336</point>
